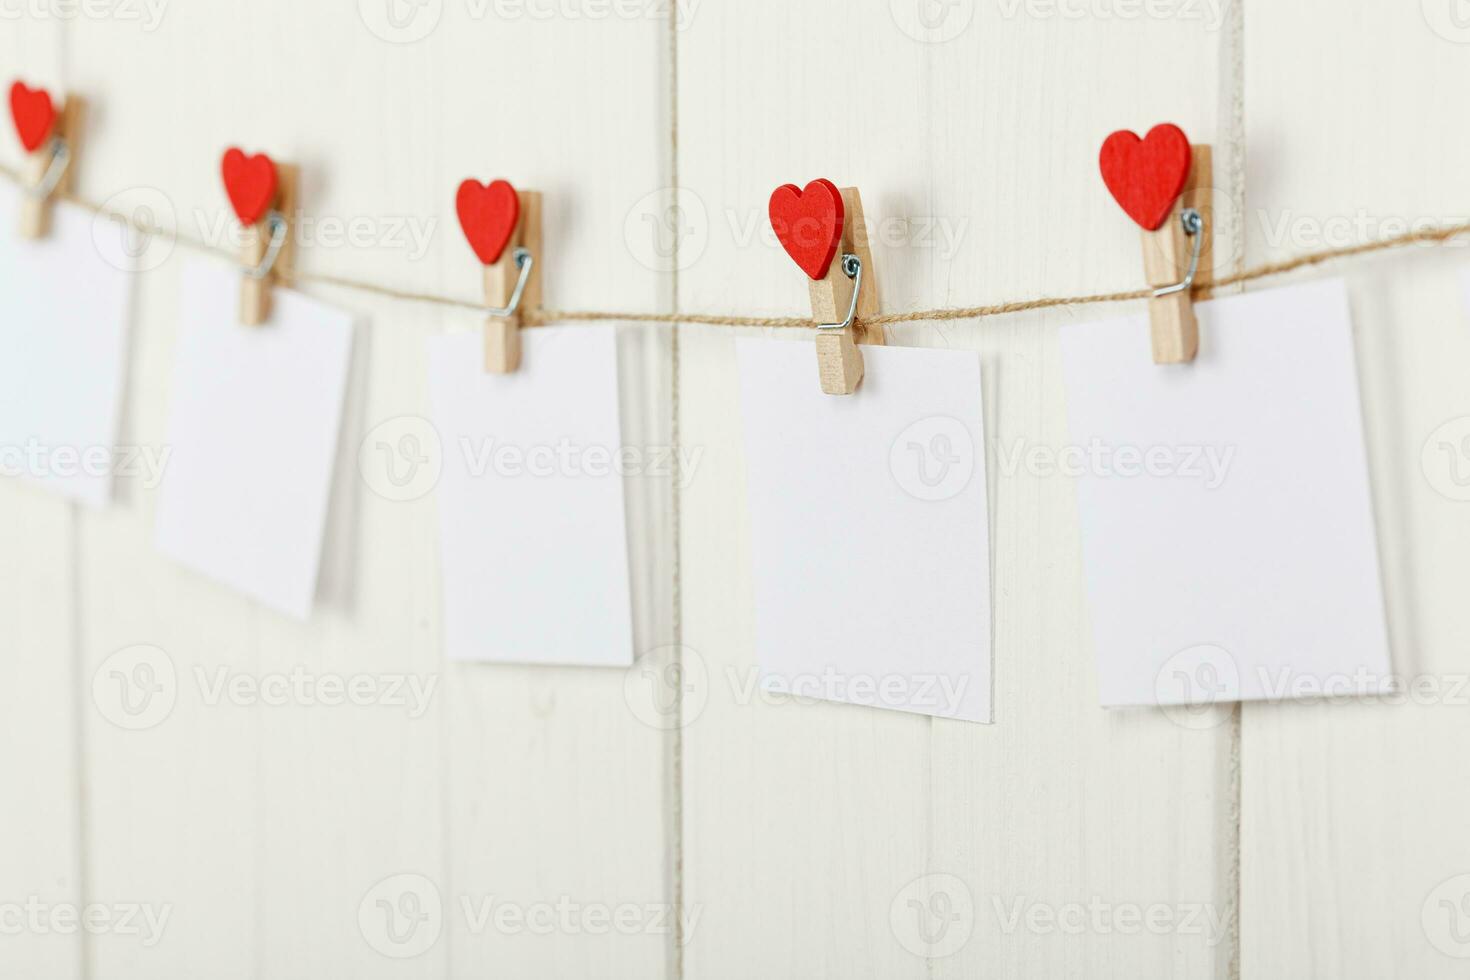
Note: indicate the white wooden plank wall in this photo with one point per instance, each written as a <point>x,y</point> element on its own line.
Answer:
<point>795,840</point>
<point>976,159</point>
<point>1356,816</point>
<point>41,691</point>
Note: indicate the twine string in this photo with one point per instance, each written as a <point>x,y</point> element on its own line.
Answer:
<point>544,315</point>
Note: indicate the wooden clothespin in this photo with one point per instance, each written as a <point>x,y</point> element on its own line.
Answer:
<point>503,227</point>
<point>822,229</point>
<point>51,139</point>
<point>1163,183</point>
<point>263,194</point>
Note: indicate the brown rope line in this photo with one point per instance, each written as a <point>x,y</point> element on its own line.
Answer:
<point>543,315</point>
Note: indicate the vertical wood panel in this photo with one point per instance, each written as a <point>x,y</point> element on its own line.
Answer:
<point>815,826</point>
<point>268,827</point>
<point>1355,814</point>
<point>41,858</point>
<point>805,825</point>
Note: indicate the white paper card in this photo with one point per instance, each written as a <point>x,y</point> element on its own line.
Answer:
<point>1226,518</point>
<point>533,532</point>
<point>63,352</point>
<point>254,418</point>
<point>869,528</point>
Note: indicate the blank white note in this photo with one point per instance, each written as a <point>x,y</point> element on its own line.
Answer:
<point>533,534</point>
<point>1227,523</point>
<point>63,352</point>
<point>869,534</point>
<point>254,418</point>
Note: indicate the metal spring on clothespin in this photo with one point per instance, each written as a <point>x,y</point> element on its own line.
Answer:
<point>525,261</point>
<point>852,267</point>
<point>263,195</point>
<point>1153,179</point>
<point>503,228</point>
<point>276,223</point>
<point>55,170</point>
<point>1193,224</point>
<point>51,138</point>
<point>821,227</point>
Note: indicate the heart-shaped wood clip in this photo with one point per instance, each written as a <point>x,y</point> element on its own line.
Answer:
<point>503,227</point>
<point>822,229</point>
<point>262,194</point>
<point>33,113</point>
<point>51,139</point>
<point>1162,183</point>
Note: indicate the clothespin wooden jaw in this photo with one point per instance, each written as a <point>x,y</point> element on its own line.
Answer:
<point>1163,184</point>
<point>268,248</point>
<point>1176,262</point>
<point>49,169</point>
<point>822,229</point>
<point>839,362</point>
<point>513,285</point>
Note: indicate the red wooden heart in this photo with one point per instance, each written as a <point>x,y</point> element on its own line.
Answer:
<point>1146,175</point>
<point>33,113</point>
<point>488,215</point>
<point>250,182</point>
<point>808,223</point>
